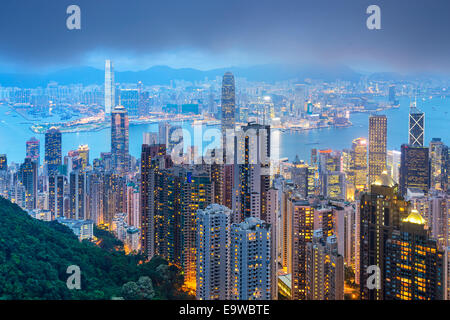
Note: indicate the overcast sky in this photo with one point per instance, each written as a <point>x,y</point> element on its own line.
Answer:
<point>207,34</point>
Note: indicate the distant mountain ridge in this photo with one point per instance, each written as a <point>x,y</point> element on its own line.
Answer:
<point>162,75</point>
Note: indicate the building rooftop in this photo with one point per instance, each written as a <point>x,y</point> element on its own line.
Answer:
<point>384,180</point>
<point>415,217</point>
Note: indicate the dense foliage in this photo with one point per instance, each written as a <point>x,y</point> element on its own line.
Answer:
<point>34,256</point>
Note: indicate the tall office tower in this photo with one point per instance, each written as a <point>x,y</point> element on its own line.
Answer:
<point>324,269</point>
<point>414,169</point>
<point>358,163</point>
<point>148,153</point>
<point>439,158</point>
<point>129,98</point>
<point>3,162</point>
<point>381,211</point>
<point>149,138</point>
<point>110,89</point>
<point>83,153</point>
<point>334,186</point>
<point>163,133</point>
<point>330,169</point>
<point>414,263</point>
<point>119,139</point>
<point>33,150</point>
<point>377,146</point>
<point>299,99</point>
<point>77,195</point>
<point>56,191</point>
<point>250,260</point>
<point>300,234</point>
<point>53,153</point>
<point>416,126</point>
<point>228,102</point>
<point>393,164</point>
<point>253,170</point>
<point>303,177</point>
<point>314,157</point>
<point>392,93</point>
<point>213,253</point>
<point>28,177</point>
<point>228,122</point>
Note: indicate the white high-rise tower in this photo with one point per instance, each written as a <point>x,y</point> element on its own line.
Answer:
<point>109,87</point>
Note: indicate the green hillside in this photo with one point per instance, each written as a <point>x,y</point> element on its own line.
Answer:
<point>34,256</point>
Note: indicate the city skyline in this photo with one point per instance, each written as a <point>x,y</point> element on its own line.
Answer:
<point>222,151</point>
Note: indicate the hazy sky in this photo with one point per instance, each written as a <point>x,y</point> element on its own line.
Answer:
<point>206,34</point>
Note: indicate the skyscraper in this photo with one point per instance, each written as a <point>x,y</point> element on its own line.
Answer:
<point>213,253</point>
<point>3,162</point>
<point>119,138</point>
<point>439,159</point>
<point>250,263</point>
<point>83,153</point>
<point>77,190</point>
<point>148,153</point>
<point>228,102</point>
<point>358,163</point>
<point>33,150</point>
<point>381,211</point>
<point>53,153</point>
<point>28,178</point>
<point>416,130</point>
<point>228,105</point>
<point>253,170</point>
<point>377,146</point>
<point>56,191</point>
<point>109,87</point>
<point>414,263</point>
<point>324,268</point>
<point>392,94</point>
<point>196,194</point>
<point>414,169</point>
<point>300,234</point>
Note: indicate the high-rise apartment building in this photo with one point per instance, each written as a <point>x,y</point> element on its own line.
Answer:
<point>439,161</point>
<point>301,233</point>
<point>250,260</point>
<point>324,268</point>
<point>213,253</point>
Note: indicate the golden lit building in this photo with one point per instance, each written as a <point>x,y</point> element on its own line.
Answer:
<point>414,264</point>
<point>358,165</point>
<point>377,146</point>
